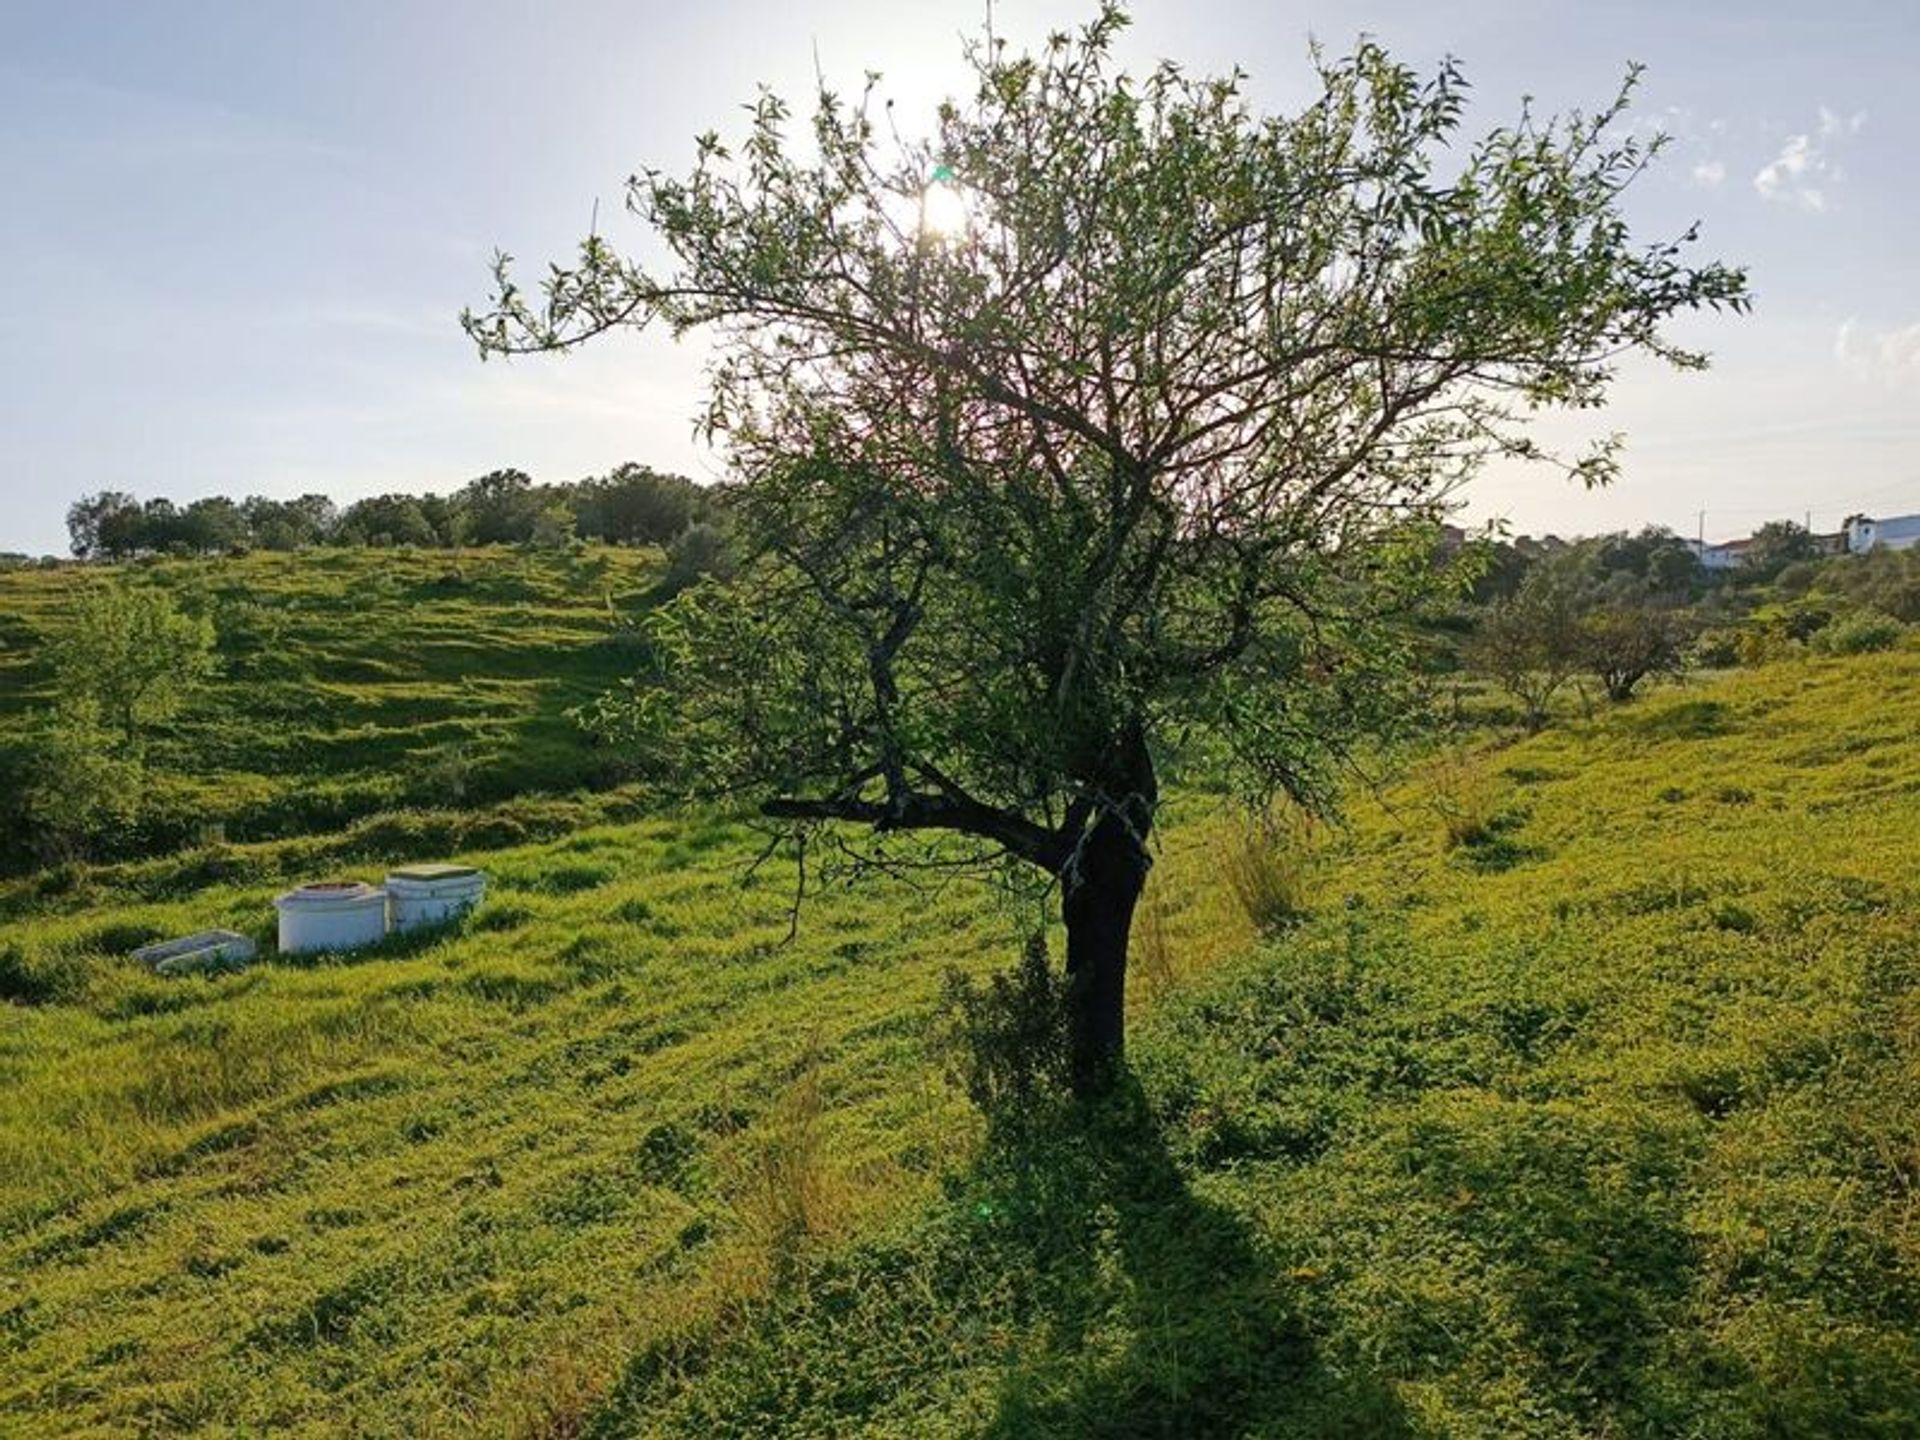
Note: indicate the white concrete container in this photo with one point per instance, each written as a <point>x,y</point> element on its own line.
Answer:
<point>203,950</point>
<point>332,915</point>
<point>421,895</point>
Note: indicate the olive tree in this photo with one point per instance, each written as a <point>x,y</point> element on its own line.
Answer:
<point>1103,414</point>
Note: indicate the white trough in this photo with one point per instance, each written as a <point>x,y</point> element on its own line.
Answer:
<point>331,915</point>
<point>423,895</point>
<point>203,950</point>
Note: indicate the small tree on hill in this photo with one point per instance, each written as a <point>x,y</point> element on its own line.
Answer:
<point>553,528</point>
<point>1113,412</point>
<point>1530,643</point>
<point>78,790</point>
<point>1624,643</point>
<point>499,507</point>
<point>129,656</point>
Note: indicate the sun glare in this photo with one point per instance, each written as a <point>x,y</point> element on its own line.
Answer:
<point>943,209</point>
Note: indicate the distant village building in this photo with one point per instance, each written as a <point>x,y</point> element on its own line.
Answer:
<point>1858,535</point>
<point>1722,555</point>
<point>1865,533</point>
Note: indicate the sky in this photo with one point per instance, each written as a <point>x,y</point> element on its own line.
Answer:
<point>235,238</point>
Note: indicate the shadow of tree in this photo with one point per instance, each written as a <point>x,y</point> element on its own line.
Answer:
<point>1165,1318</point>
<point>1070,1284</point>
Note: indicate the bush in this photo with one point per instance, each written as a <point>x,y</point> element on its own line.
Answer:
<point>1718,648</point>
<point>1763,647</point>
<point>1860,634</point>
<point>697,553</point>
<point>80,796</point>
<point>39,979</point>
<point>1007,1044</point>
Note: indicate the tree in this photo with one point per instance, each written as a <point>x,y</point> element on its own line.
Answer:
<point>1113,413</point>
<point>553,528</point>
<point>1776,545</point>
<point>500,507</point>
<point>1672,569</point>
<point>636,506</point>
<point>213,526</point>
<point>1530,643</point>
<point>386,520</point>
<point>130,656</point>
<point>288,524</point>
<point>701,551</point>
<point>1624,643</point>
<point>160,528</point>
<point>96,524</point>
<point>78,792</point>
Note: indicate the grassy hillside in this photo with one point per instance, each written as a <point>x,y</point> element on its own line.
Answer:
<point>1585,1101</point>
<point>356,681</point>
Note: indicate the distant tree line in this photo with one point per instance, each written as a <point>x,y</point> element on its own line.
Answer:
<point>631,505</point>
<point>1625,609</point>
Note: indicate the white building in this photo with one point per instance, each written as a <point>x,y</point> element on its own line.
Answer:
<point>1722,555</point>
<point>1864,533</point>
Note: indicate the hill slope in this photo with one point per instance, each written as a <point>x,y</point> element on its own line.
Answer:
<point>1605,1123</point>
<point>1602,1122</point>
<point>355,681</point>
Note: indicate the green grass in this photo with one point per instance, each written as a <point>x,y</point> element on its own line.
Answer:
<point>1604,1121</point>
<point>1598,1116</point>
<point>357,681</point>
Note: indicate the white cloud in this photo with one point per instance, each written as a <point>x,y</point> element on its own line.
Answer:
<point>1710,174</point>
<point>1891,356</point>
<point>1832,125</point>
<point>1804,172</point>
<point>1790,176</point>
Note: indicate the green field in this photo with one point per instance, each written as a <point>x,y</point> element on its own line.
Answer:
<point>1584,1101</point>
<point>355,682</point>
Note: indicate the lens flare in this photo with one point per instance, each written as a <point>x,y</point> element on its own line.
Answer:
<point>943,209</point>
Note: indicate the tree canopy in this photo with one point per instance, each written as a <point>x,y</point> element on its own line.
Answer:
<point>130,656</point>
<point>1109,415</point>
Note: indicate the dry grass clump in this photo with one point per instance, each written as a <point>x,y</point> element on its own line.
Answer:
<point>1267,866</point>
<point>1457,790</point>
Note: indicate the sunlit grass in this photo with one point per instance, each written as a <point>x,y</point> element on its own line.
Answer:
<point>1603,1119</point>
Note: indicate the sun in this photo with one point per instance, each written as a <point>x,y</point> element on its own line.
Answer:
<point>943,209</point>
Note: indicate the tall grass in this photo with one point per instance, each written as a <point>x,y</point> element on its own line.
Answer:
<point>1266,862</point>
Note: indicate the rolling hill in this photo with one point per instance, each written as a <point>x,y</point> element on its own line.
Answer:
<point>1583,1100</point>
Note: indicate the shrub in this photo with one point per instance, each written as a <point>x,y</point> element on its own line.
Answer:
<point>697,553</point>
<point>1860,634</point>
<point>81,797</point>
<point>1006,1045</point>
<point>1763,647</point>
<point>1718,648</point>
<point>39,979</point>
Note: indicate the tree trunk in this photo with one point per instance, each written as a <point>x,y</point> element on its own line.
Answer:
<point>1098,895</point>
